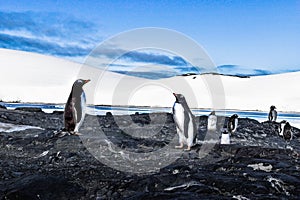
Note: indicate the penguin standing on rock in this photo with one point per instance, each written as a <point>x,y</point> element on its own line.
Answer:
<point>185,122</point>
<point>232,123</point>
<point>75,107</point>
<point>212,121</point>
<point>272,114</point>
<point>287,132</point>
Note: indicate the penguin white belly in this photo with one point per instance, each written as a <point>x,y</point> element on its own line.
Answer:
<point>274,115</point>
<point>212,122</point>
<point>225,138</point>
<point>235,125</point>
<point>281,129</point>
<point>83,107</point>
<point>178,117</point>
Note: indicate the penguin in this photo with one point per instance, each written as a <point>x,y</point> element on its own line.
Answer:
<point>185,122</point>
<point>225,137</point>
<point>232,123</point>
<point>287,132</point>
<point>272,114</point>
<point>75,107</point>
<point>212,121</point>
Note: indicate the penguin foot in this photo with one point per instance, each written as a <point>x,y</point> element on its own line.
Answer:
<point>188,149</point>
<point>76,133</point>
<point>179,147</point>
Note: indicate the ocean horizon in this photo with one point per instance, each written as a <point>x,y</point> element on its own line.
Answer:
<point>261,116</point>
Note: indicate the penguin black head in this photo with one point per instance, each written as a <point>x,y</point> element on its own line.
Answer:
<point>179,98</point>
<point>213,113</point>
<point>78,84</point>
<point>272,108</point>
<point>235,116</point>
<point>283,122</point>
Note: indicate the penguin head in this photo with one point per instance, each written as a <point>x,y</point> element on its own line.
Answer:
<point>78,84</point>
<point>179,98</point>
<point>225,132</point>
<point>235,116</point>
<point>283,122</point>
<point>213,113</point>
<point>272,108</point>
<point>287,126</point>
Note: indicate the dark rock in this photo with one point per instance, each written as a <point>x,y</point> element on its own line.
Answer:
<point>43,187</point>
<point>36,165</point>
<point>2,107</point>
<point>29,109</point>
<point>58,112</point>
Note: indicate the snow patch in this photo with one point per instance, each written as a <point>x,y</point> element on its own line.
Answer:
<point>184,186</point>
<point>261,166</point>
<point>278,185</point>
<point>240,197</point>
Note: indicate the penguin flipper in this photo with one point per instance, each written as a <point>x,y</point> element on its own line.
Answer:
<point>186,124</point>
<point>275,115</point>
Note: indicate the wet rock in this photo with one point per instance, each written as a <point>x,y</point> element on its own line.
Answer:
<point>43,187</point>
<point>29,109</point>
<point>2,107</point>
<point>34,164</point>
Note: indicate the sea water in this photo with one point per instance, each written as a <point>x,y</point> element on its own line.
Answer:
<point>292,118</point>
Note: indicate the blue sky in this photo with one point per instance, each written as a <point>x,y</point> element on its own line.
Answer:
<point>246,35</point>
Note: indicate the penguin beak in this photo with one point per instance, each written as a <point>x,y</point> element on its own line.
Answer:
<point>174,94</point>
<point>86,81</point>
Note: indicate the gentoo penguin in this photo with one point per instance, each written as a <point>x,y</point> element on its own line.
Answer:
<point>272,114</point>
<point>232,123</point>
<point>185,122</point>
<point>212,121</point>
<point>287,132</point>
<point>75,107</point>
<point>225,138</point>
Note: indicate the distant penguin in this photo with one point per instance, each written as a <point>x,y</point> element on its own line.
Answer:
<point>75,107</point>
<point>225,138</point>
<point>287,132</point>
<point>212,121</point>
<point>272,114</point>
<point>185,122</point>
<point>232,123</point>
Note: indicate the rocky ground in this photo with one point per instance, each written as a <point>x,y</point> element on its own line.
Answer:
<point>115,158</point>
